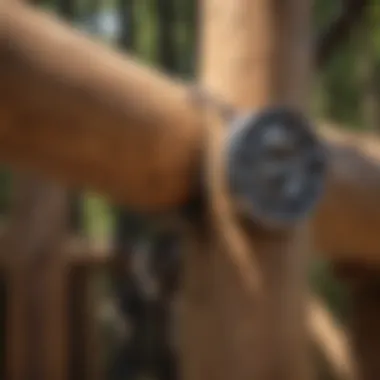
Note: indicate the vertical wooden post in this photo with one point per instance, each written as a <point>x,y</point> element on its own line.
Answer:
<point>36,331</point>
<point>15,336</point>
<point>36,336</point>
<point>85,349</point>
<point>254,53</point>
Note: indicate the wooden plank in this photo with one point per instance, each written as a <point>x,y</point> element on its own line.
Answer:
<point>16,365</point>
<point>36,336</point>
<point>86,360</point>
<point>95,349</point>
<point>230,331</point>
<point>77,324</point>
<point>345,225</point>
<point>54,302</point>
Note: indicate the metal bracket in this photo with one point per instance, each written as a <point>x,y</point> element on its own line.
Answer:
<point>276,167</point>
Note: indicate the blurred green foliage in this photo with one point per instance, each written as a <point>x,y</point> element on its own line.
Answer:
<point>340,88</point>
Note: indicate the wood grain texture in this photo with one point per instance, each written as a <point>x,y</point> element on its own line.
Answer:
<point>36,273</point>
<point>231,331</point>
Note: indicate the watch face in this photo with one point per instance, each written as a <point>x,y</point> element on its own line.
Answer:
<point>276,166</point>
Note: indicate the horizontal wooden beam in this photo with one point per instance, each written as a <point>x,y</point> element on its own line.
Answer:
<point>76,111</point>
<point>347,221</point>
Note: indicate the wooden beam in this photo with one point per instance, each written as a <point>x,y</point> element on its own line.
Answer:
<point>36,333</point>
<point>347,221</point>
<point>85,349</point>
<point>77,112</point>
<point>230,331</point>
